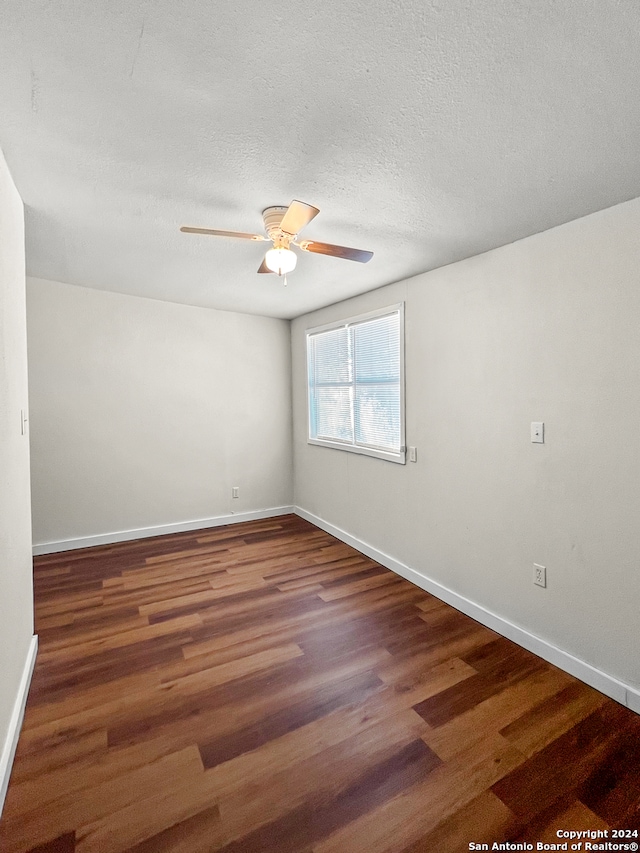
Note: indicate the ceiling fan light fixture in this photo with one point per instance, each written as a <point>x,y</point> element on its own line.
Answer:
<point>281,260</point>
<point>283,225</point>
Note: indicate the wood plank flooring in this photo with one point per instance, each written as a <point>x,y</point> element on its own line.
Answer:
<point>264,688</point>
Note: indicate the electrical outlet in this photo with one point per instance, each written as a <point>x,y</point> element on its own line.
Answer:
<point>235,492</point>
<point>540,575</point>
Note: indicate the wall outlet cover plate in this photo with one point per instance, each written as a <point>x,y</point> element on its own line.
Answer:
<point>539,575</point>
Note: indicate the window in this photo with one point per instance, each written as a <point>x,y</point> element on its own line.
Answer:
<point>356,384</point>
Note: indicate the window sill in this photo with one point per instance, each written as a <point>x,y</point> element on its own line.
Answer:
<point>387,455</point>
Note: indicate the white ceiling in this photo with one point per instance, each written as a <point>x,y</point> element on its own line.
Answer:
<point>424,130</point>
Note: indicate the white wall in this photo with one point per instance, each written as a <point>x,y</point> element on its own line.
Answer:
<point>546,329</point>
<point>16,588</point>
<point>146,413</point>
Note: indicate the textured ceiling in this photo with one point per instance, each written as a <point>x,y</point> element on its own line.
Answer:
<point>424,131</point>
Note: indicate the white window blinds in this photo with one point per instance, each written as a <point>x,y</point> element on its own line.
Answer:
<point>356,385</point>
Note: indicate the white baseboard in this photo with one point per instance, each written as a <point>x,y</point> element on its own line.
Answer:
<point>602,681</point>
<point>159,530</point>
<point>15,723</point>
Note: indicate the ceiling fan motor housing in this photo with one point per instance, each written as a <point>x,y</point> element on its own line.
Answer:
<point>272,217</point>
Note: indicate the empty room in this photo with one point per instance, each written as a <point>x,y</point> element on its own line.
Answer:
<point>319,426</point>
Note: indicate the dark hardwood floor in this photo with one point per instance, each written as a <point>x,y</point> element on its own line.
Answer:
<point>264,688</point>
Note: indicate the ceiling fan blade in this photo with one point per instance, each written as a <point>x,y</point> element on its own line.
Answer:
<point>335,251</point>
<point>263,267</point>
<point>297,216</point>
<point>243,235</point>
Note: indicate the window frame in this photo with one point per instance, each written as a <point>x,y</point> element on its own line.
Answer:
<point>353,447</point>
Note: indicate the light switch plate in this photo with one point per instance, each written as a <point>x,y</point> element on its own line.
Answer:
<point>537,432</point>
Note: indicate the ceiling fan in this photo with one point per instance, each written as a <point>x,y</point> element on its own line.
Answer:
<point>283,224</point>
